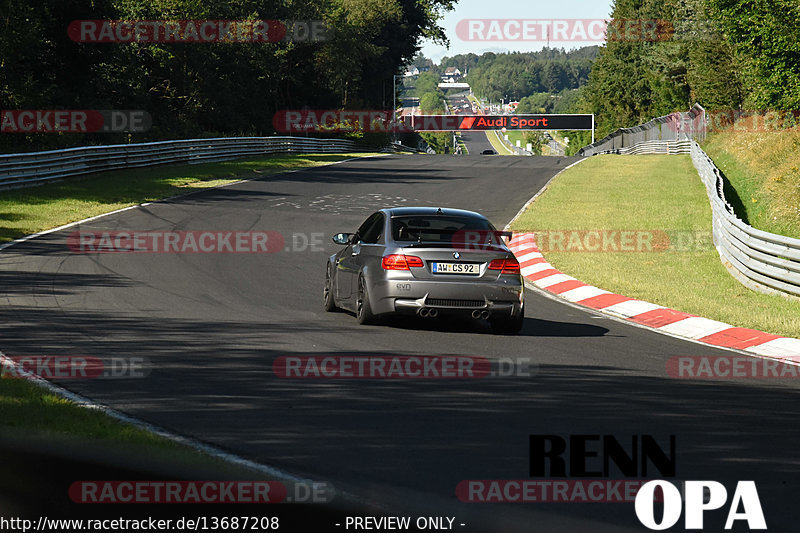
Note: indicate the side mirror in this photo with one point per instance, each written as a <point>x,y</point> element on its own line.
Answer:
<point>342,238</point>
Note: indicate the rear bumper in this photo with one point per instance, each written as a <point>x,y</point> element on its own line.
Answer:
<point>503,296</point>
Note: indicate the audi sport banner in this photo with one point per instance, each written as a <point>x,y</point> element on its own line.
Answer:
<point>329,121</point>
<point>498,122</point>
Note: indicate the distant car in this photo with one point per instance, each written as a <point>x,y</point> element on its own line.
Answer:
<point>488,152</point>
<point>429,262</point>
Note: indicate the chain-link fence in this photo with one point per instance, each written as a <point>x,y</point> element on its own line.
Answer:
<point>674,127</point>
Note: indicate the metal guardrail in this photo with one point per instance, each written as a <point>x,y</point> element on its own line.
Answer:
<point>511,147</point>
<point>653,147</point>
<point>400,147</point>
<point>17,170</point>
<point>761,260</point>
<point>556,148</point>
<point>674,127</point>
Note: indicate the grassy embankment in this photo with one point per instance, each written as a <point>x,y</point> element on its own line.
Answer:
<point>762,169</point>
<point>660,193</point>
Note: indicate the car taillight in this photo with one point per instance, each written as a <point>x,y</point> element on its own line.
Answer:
<point>506,266</point>
<point>400,262</point>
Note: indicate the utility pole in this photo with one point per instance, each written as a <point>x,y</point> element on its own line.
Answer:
<point>394,108</point>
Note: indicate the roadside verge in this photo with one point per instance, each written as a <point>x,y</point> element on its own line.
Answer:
<point>28,211</point>
<point>662,199</point>
<point>498,145</point>
<point>33,407</point>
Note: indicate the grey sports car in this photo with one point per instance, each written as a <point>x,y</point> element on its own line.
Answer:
<point>429,261</point>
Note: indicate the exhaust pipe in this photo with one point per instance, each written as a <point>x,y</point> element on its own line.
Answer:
<point>433,313</point>
<point>485,314</point>
<point>423,313</point>
<point>476,314</point>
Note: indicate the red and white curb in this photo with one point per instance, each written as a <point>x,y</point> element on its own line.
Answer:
<point>543,275</point>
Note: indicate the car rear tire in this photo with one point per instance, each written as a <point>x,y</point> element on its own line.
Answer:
<point>330,302</point>
<point>363,309</point>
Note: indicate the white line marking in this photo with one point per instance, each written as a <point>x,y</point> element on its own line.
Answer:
<point>631,308</point>
<point>549,281</point>
<point>533,269</point>
<point>695,327</point>
<point>529,256</point>
<point>781,348</point>
<point>583,293</point>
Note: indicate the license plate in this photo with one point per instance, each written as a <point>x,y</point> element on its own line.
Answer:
<point>470,269</point>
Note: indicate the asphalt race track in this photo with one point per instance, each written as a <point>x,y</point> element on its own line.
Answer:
<point>211,325</point>
<point>476,142</point>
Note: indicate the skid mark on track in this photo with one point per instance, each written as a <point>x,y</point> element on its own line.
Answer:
<point>338,204</point>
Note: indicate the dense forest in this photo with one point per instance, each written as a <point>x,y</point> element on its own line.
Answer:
<point>551,80</point>
<point>723,54</point>
<point>516,75</point>
<point>205,89</point>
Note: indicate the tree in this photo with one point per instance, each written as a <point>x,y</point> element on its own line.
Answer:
<point>766,37</point>
<point>206,89</point>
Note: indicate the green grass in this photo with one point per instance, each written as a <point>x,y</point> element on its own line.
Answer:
<point>497,144</point>
<point>28,410</point>
<point>652,192</point>
<point>464,149</point>
<point>763,171</point>
<point>33,209</point>
<point>514,136</point>
<point>30,414</point>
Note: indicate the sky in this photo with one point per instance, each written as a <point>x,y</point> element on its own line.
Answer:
<point>513,9</point>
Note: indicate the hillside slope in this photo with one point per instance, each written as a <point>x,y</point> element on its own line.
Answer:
<point>763,171</point>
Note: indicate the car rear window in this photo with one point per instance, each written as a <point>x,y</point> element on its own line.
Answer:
<point>434,228</point>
